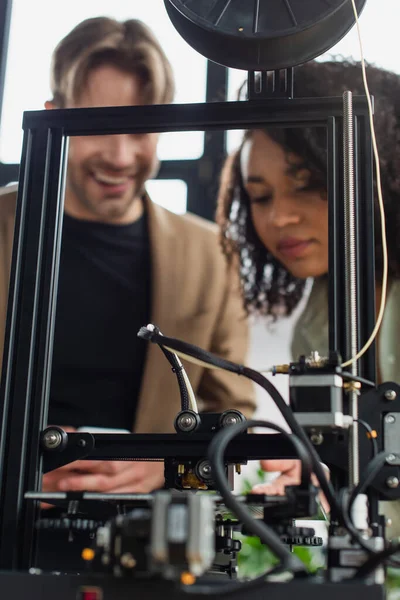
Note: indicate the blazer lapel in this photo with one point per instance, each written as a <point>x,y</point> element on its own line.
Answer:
<point>158,383</point>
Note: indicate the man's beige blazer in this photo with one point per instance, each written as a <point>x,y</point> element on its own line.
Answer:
<point>195,297</point>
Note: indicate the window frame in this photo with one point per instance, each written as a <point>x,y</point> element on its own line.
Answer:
<point>199,174</point>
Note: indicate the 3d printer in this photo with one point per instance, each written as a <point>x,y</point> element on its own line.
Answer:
<point>181,539</point>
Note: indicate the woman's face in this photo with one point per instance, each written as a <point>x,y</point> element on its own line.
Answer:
<point>290,219</point>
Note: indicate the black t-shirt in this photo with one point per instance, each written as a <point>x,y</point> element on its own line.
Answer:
<point>103,300</point>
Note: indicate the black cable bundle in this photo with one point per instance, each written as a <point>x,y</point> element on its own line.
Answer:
<point>176,367</point>
<point>340,507</point>
<point>203,356</point>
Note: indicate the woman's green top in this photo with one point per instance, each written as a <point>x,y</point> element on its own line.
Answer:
<point>311,329</point>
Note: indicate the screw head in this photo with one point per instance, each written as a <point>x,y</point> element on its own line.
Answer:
<point>186,422</point>
<point>231,417</point>
<point>316,439</point>
<point>52,438</point>
<point>390,419</point>
<point>392,482</point>
<point>231,420</point>
<point>204,470</point>
<point>390,458</point>
<point>390,395</point>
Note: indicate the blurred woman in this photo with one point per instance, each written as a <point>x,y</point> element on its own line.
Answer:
<point>273,212</point>
<point>273,215</point>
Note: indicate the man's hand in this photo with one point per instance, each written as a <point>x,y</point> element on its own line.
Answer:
<point>290,471</point>
<point>106,476</point>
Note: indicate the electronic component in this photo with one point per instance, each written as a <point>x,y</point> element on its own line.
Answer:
<point>316,393</point>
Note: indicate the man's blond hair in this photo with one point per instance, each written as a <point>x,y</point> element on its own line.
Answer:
<point>129,45</point>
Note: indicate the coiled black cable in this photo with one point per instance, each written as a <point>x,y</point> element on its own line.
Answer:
<point>216,452</point>
<point>177,369</point>
<point>340,508</point>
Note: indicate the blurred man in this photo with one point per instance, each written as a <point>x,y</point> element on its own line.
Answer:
<point>126,262</point>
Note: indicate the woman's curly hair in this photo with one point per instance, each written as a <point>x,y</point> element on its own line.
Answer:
<point>268,287</point>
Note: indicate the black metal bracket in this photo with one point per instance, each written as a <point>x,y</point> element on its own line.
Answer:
<point>78,447</point>
<point>380,408</point>
<point>270,84</point>
<point>156,446</point>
